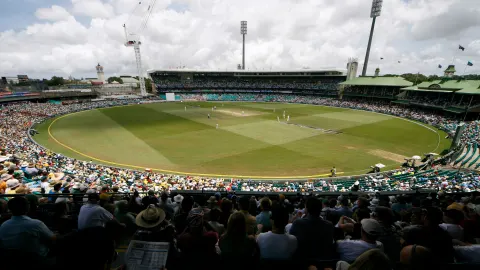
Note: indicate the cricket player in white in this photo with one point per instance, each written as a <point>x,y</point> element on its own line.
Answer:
<point>283,114</point>
<point>243,112</point>
<point>288,118</point>
<point>278,119</point>
<point>217,126</point>
<point>185,108</point>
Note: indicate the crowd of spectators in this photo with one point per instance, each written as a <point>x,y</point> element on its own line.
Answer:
<point>214,82</point>
<point>226,231</point>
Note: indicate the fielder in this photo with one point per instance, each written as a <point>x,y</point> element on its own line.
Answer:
<point>278,118</point>
<point>185,108</point>
<point>288,118</point>
<point>217,126</point>
<point>243,112</point>
<point>208,116</point>
<point>283,114</point>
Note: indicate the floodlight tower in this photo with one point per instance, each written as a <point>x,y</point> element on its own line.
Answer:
<point>243,32</point>
<point>376,10</point>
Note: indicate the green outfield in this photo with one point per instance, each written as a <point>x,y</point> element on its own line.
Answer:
<point>249,141</point>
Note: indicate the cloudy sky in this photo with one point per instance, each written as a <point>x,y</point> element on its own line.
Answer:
<point>42,38</point>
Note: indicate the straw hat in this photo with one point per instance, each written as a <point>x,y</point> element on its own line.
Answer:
<point>150,217</point>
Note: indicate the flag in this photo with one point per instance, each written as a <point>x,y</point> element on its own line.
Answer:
<point>381,58</point>
<point>469,64</point>
<point>398,61</point>
<point>439,66</point>
<point>461,48</point>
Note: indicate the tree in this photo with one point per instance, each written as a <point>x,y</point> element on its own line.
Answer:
<point>56,81</point>
<point>148,85</point>
<point>415,78</point>
<point>116,79</point>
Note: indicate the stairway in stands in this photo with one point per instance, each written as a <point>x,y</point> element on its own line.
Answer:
<point>469,158</point>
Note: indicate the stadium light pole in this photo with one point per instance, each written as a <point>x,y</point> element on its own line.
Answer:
<point>376,10</point>
<point>243,32</point>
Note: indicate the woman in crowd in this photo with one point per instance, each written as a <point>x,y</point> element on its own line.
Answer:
<point>236,246</point>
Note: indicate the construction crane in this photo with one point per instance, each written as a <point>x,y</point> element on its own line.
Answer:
<point>132,39</point>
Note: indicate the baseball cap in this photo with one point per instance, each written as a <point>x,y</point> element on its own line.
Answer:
<point>371,226</point>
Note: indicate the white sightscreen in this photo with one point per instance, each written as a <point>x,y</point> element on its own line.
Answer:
<point>170,96</point>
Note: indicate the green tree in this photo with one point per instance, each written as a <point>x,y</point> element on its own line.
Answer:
<point>56,81</point>
<point>148,85</point>
<point>415,78</point>
<point>116,79</point>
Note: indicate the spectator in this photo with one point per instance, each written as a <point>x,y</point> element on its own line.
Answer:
<point>166,204</point>
<point>55,190</point>
<point>389,237</point>
<point>126,217</point>
<point>264,217</point>
<point>344,209</point>
<point>177,199</point>
<point>197,246</point>
<point>180,219</point>
<point>154,227</point>
<point>451,223</point>
<point>149,199</point>
<point>213,223</point>
<point>236,246</point>
<point>314,235</point>
<point>227,208</point>
<point>92,214</point>
<point>431,236</point>
<point>349,250</point>
<point>23,233</point>
<point>251,222</point>
<point>373,259</point>
<point>415,257</point>
<point>276,244</point>
<point>401,205</point>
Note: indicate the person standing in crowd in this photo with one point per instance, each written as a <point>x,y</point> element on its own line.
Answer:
<point>349,250</point>
<point>227,209</point>
<point>431,236</point>
<point>180,218</point>
<point>213,223</point>
<point>276,244</point>
<point>251,222</point>
<point>344,209</point>
<point>314,235</point>
<point>264,217</point>
<point>389,237</point>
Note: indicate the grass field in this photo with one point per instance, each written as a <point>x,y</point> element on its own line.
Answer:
<point>249,141</point>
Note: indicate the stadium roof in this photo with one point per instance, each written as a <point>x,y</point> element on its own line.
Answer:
<point>379,81</point>
<point>184,70</point>
<point>458,86</point>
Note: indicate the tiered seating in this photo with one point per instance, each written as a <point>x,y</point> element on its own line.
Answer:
<point>474,157</point>
<point>464,154</point>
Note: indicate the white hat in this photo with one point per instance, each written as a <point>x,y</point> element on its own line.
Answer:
<point>178,198</point>
<point>13,183</point>
<point>371,226</point>
<point>76,186</point>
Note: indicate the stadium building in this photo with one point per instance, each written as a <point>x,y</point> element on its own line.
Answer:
<point>317,82</point>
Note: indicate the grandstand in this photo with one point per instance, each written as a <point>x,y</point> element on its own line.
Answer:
<point>316,82</point>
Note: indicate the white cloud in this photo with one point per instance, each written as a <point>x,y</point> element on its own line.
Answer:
<point>93,8</point>
<point>53,13</point>
<point>285,34</point>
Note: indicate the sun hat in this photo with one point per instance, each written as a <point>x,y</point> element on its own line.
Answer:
<point>178,198</point>
<point>150,217</point>
<point>13,183</point>
<point>371,226</point>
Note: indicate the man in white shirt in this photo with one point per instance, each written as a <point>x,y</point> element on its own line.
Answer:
<point>276,244</point>
<point>349,250</point>
<point>92,214</point>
